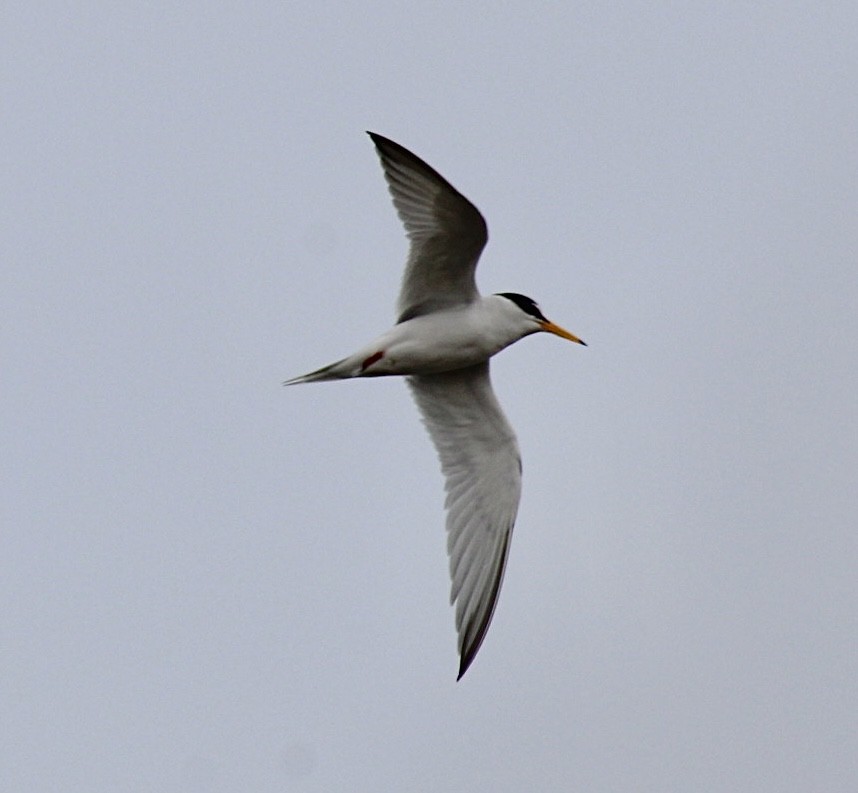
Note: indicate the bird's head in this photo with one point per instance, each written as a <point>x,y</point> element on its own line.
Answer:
<point>535,321</point>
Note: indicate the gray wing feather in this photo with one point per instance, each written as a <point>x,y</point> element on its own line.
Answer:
<point>482,468</point>
<point>447,233</point>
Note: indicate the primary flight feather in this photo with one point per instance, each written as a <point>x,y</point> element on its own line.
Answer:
<point>442,341</point>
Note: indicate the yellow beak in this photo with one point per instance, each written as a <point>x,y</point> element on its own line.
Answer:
<point>550,327</point>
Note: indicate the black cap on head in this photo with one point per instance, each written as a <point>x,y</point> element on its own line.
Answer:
<point>526,304</point>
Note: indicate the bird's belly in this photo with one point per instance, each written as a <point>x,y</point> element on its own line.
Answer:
<point>441,351</point>
<point>429,361</point>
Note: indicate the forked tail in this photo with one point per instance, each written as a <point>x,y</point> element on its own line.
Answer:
<point>333,371</point>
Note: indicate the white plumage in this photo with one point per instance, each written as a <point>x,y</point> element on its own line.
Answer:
<point>445,334</point>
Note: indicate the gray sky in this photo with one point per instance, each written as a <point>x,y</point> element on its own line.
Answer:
<point>210,583</point>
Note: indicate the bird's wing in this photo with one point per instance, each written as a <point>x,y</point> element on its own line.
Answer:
<point>482,467</point>
<point>447,233</point>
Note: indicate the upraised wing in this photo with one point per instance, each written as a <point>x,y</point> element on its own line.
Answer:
<point>447,233</point>
<point>482,467</point>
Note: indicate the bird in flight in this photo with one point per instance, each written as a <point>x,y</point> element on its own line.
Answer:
<point>444,336</point>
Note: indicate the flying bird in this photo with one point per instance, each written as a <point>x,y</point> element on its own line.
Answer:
<point>444,336</point>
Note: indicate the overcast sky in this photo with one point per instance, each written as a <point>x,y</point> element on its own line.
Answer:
<point>211,583</point>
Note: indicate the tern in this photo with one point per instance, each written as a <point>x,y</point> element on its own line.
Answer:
<point>444,336</point>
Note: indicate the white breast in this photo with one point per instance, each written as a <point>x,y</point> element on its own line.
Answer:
<point>446,340</point>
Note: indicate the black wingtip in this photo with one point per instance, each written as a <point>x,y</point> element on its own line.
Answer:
<point>392,149</point>
<point>380,140</point>
<point>467,657</point>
